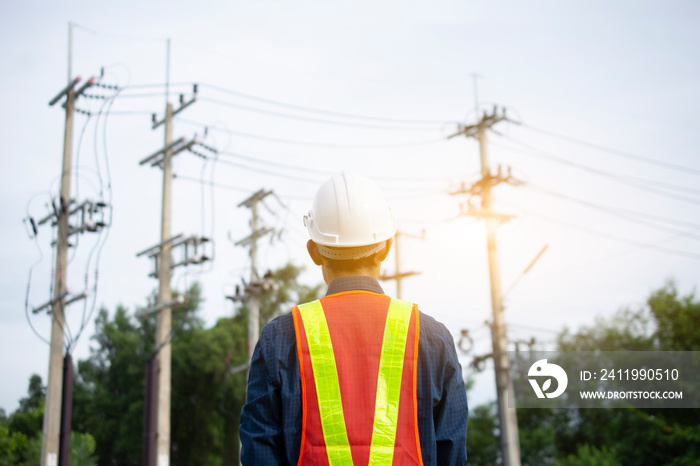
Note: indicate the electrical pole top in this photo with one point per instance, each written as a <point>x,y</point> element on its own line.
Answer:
<point>254,288</point>
<point>64,91</point>
<point>479,189</point>
<point>487,121</point>
<point>183,105</point>
<point>255,235</point>
<point>192,252</point>
<point>256,197</point>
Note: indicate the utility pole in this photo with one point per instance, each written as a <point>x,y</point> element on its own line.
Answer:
<point>164,317</point>
<point>399,275</point>
<point>51,440</point>
<point>54,389</point>
<point>510,443</point>
<point>162,253</point>
<point>256,286</point>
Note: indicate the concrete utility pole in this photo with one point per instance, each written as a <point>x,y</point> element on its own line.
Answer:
<point>51,444</point>
<point>163,257</point>
<point>164,317</point>
<point>257,285</point>
<point>52,409</point>
<point>510,443</point>
<point>399,275</point>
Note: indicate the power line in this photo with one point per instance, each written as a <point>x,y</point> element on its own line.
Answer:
<point>101,241</point>
<point>532,329</point>
<point>148,94</point>
<point>276,164</point>
<point>431,123</point>
<point>316,144</point>
<point>148,85</point>
<point>624,213</point>
<point>118,36</point>
<point>311,119</point>
<point>130,112</point>
<point>329,173</point>
<point>536,97</point>
<point>607,235</point>
<point>232,188</point>
<point>29,282</point>
<point>315,181</point>
<point>627,178</point>
<point>324,112</point>
<point>268,172</point>
<point>669,165</point>
<point>639,183</point>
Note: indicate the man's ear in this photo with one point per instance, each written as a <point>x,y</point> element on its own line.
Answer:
<point>385,252</point>
<point>313,252</point>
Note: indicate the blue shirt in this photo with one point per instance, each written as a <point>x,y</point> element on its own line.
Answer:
<point>271,420</point>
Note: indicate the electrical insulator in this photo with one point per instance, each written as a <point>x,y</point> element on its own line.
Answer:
<point>465,342</point>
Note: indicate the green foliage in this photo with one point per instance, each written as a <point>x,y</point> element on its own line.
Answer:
<point>482,435</point>
<point>206,396</point>
<point>677,320</point>
<point>109,387</point>
<point>13,446</point>
<point>641,436</point>
<point>21,436</point>
<point>590,456</point>
<point>82,450</point>
<point>19,431</point>
<point>36,392</point>
<point>570,437</point>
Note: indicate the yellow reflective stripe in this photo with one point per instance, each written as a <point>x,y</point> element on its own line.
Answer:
<point>330,404</point>
<point>386,408</point>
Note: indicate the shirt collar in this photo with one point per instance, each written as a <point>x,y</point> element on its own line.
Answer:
<point>361,282</point>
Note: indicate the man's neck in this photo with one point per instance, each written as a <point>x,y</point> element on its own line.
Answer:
<point>329,274</point>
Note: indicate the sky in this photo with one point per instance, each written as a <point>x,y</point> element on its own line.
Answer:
<point>601,99</point>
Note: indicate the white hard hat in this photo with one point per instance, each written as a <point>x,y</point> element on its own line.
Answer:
<point>350,218</point>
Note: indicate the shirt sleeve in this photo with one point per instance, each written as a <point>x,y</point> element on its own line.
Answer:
<point>451,412</point>
<point>261,435</point>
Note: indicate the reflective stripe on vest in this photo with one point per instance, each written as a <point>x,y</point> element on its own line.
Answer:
<point>327,386</point>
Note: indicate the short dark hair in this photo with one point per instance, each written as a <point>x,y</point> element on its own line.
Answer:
<point>353,264</point>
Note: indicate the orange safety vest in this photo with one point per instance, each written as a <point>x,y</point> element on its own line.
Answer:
<point>358,355</point>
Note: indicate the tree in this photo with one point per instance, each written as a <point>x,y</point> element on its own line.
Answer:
<point>206,395</point>
<point>573,437</point>
<point>20,434</point>
<point>590,456</point>
<point>483,448</point>
<point>109,388</point>
<point>668,322</point>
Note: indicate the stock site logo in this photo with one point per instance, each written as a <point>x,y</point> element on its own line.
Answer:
<point>543,369</point>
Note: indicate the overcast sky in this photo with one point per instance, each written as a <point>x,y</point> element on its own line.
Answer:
<point>292,92</point>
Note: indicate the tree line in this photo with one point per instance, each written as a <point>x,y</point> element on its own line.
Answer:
<point>109,386</point>
<point>208,394</point>
<point>608,437</point>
